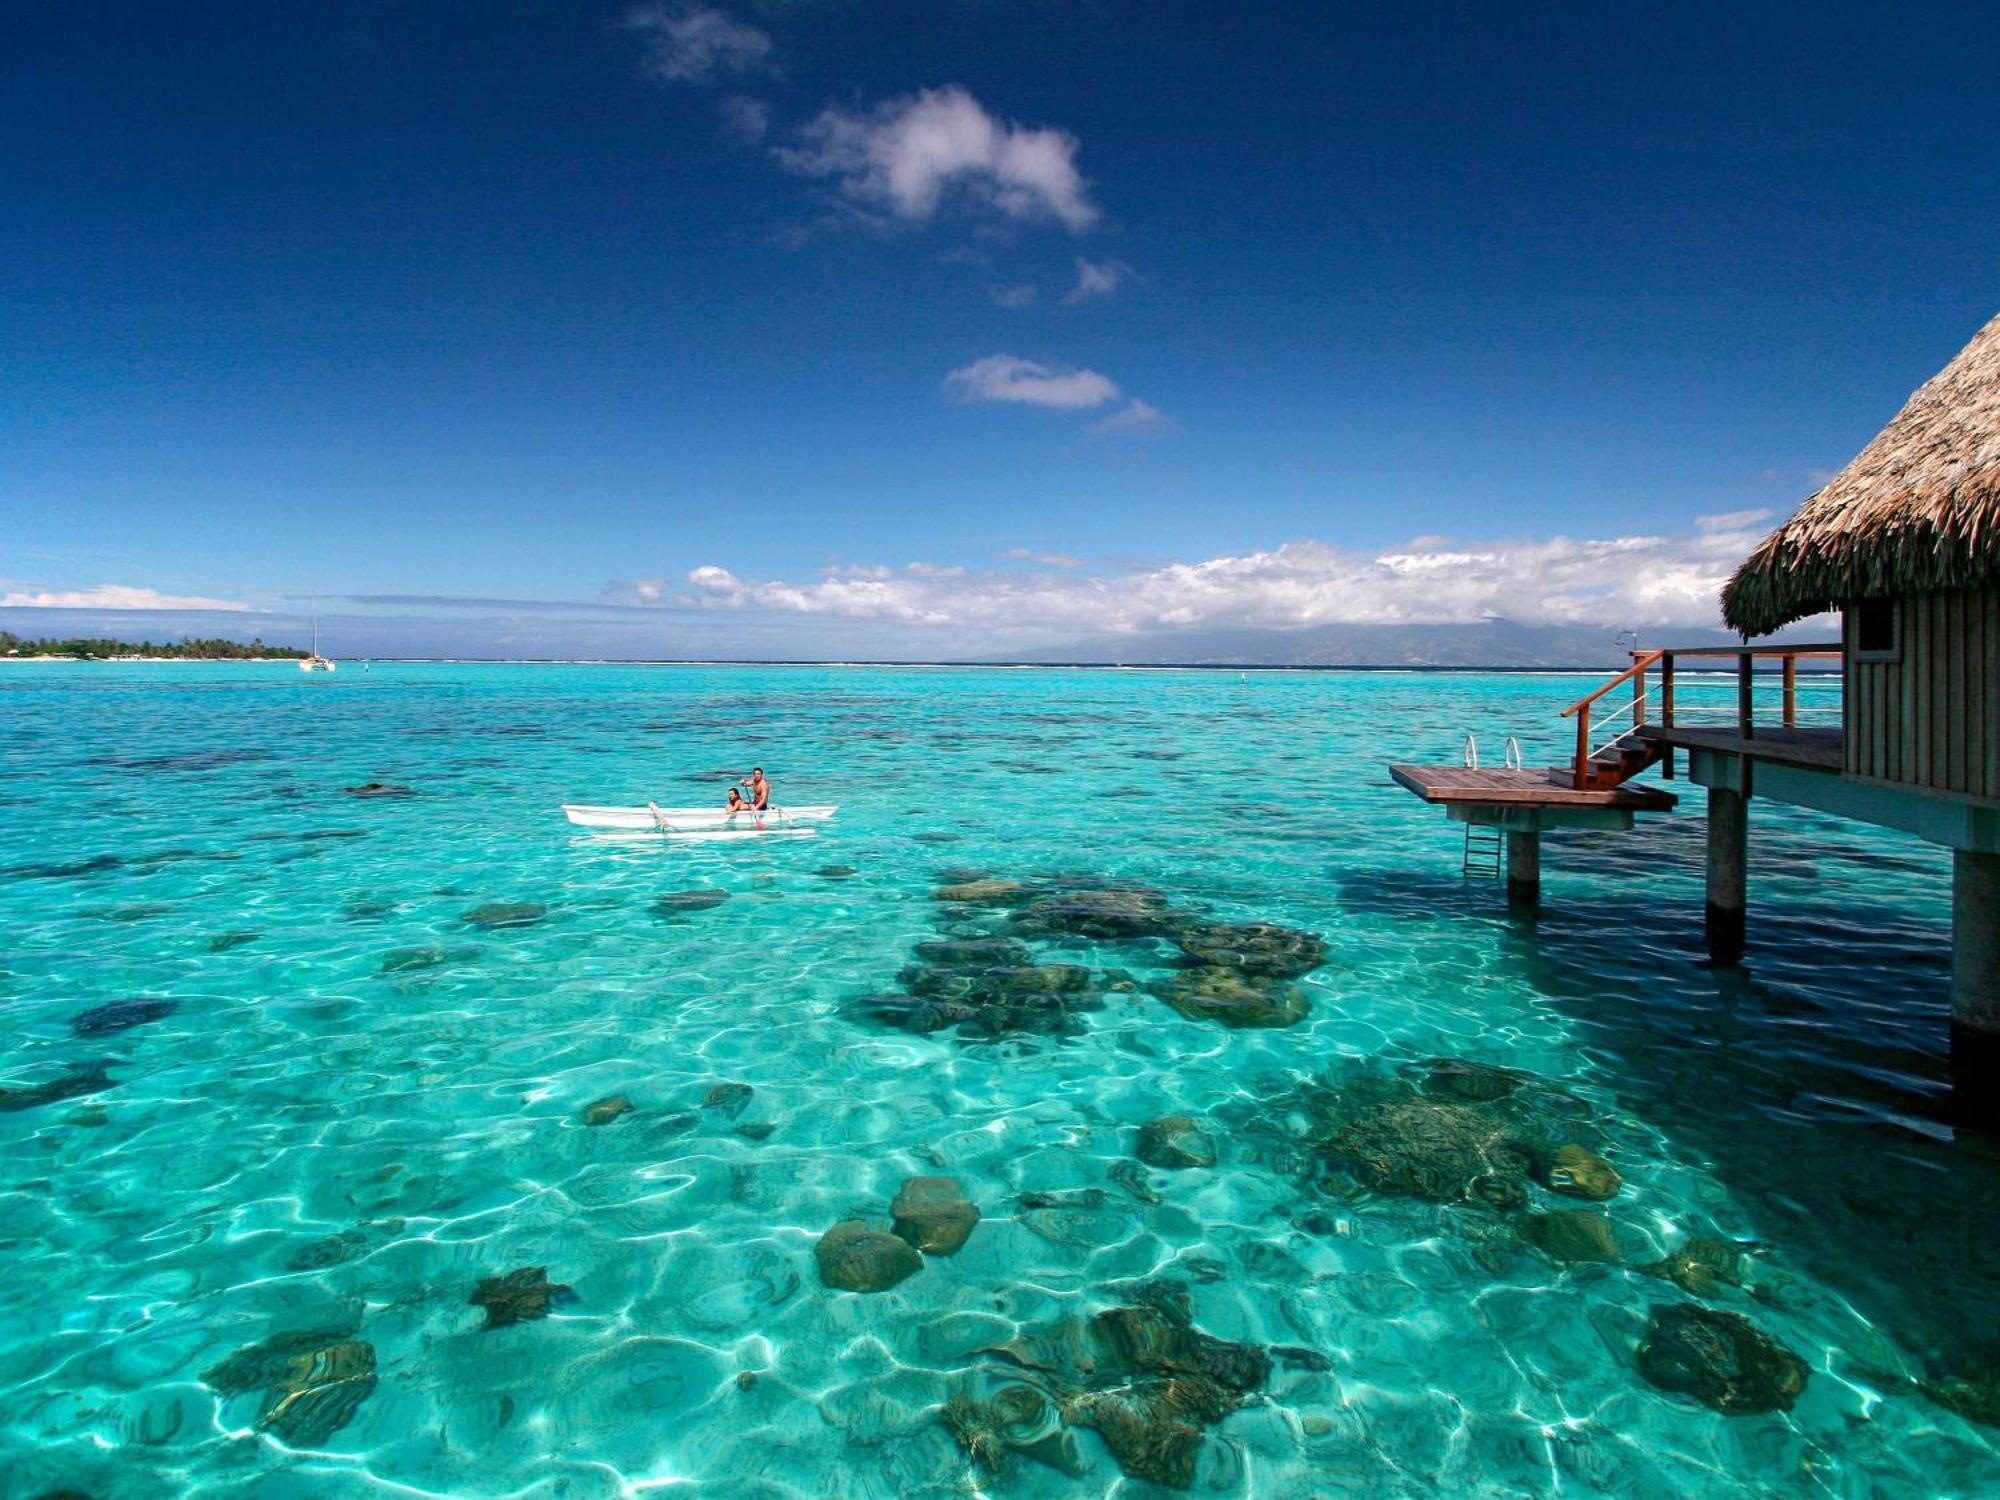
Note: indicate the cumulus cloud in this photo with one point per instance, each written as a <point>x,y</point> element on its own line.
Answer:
<point>1639,581</point>
<point>1007,377</point>
<point>1134,419</point>
<point>1098,279</point>
<point>684,41</point>
<point>907,154</point>
<point>113,596</point>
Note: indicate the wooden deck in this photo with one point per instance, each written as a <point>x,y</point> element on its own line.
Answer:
<point>1524,789</point>
<point>1808,749</point>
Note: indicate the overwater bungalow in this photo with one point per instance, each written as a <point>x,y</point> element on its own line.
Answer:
<point>1904,544</point>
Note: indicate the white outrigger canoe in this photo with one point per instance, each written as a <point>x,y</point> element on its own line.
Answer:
<point>700,822</point>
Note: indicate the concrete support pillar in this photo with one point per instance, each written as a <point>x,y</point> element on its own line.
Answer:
<point>1975,987</point>
<point>1524,870</point>
<point>1728,849</point>
<point>1975,942</point>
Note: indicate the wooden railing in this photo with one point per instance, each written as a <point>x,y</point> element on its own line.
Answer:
<point>1581,709</point>
<point>1746,658</point>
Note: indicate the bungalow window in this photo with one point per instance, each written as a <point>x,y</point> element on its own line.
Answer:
<point>1878,630</point>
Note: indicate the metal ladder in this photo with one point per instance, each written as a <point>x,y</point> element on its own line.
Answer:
<point>1482,853</point>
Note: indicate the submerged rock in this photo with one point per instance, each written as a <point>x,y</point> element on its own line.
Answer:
<point>908,1013</point>
<point>607,1109</point>
<point>852,1257</point>
<point>984,1000</point>
<point>984,892</point>
<point>1972,1391</point>
<point>520,1296</point>
<point>974,953</point>
<point>1702,1267</point>
<point>1109,914</point>
<point>262,1364</point>
<point>379,789</point>
<point>1261,948</point>
<point>1018,1420</point>
<point>679,901</point>
<point>412,960</point>
<point>90,1079</point>
<point>1414,1146</point>
<point>330,1250</point>
<point>1175,1142</point>
<point>1499,1192</point>
<point>836,872</point>
<point>1571,1234</point>
<point>1146,1380</point>
<point>313,1381</point>
<point>223,942</point>
<point>1129,1176</point>
<point>506,914</point>
<point>1721,1359</point>
<point>728,1099</point>
<point>934,1215</point>
<point>1001,983</point>
<point>320,1392</point>
<point>1154,1430</point>
<point>145,912</point>
<point>121,1015</point>
<point>1233,998</point>
<point>1577,1173</point>
<point>1476,1083</point>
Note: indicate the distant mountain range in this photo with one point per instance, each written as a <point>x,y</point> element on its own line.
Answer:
<point>1494,643</point>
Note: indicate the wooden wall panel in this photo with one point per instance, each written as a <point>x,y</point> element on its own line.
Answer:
<point>1930,718</point>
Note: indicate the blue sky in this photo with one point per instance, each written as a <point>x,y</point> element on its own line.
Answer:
<point>690,328</point>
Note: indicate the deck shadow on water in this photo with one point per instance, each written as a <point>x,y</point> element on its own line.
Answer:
<point>1822,1105</point>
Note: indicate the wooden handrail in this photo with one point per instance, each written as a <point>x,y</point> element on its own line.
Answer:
<point>1814,650</point>
<point>1640,661</point>
<point>1746,666</point>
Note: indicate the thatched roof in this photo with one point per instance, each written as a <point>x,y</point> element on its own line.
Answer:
<point>1918,510</point>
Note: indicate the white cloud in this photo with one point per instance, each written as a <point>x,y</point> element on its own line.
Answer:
<point>744,119</point>
<point>1732,520</point>
<point>1098,279</point>
<point>687,42</point>
<point>907,153</point>
<point>113,596</point>
<point>1637,581</point>
<point>1007,377</point>
<point>1015,296</point>
<point>1046,559</point>
<point>1134,419</point>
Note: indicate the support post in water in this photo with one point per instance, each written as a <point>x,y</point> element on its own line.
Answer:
<point>1975,977</point>
<point>1728,847</point>
<point>1524,870</point>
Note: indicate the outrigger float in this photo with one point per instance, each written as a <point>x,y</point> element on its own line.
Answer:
<point>654,821</point>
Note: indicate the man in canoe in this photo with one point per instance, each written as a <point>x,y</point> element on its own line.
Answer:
<point>760,790</point>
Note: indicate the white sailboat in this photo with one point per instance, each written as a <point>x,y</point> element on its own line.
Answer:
<point>316,662</point>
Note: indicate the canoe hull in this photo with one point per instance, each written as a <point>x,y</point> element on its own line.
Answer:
<point>693,819</point>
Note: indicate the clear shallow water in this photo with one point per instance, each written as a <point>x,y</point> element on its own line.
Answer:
<point>323,1135</point>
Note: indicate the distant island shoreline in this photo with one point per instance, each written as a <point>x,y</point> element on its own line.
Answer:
<point>272,656</point>
<point>88,648</point>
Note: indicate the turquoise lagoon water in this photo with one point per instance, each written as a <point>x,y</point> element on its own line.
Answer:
<point>361,1105</point>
